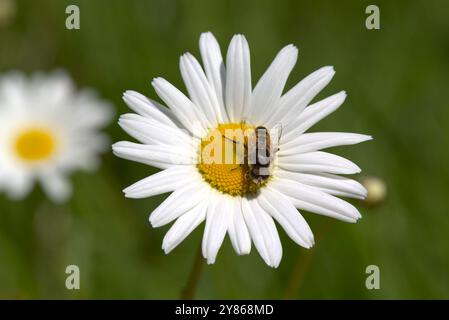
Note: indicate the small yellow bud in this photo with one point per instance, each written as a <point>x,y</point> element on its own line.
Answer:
<point>377,190</point>
<point>7,12</point>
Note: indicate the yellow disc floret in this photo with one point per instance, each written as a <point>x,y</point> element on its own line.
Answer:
<point>34,144</point>
<point>223,159</point>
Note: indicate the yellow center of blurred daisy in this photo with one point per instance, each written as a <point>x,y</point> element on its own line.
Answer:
<point>223,159</point>
<point>35,144</point>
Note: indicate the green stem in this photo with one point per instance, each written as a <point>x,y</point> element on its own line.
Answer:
<point>188,293</point>
<point>302,264</point>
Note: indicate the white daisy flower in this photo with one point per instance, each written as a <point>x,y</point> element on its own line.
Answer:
<point>47,130</point>
<point>230,197</point>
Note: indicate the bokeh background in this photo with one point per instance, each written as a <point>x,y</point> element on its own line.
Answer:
<point>397,82</point>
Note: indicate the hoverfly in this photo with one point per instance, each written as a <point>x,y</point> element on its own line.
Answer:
<point>260,152</point>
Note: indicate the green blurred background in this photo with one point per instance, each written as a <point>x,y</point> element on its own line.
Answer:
<point>397,81</point>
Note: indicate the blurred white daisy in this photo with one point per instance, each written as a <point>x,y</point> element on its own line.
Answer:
<point>226,195</point>
<point>47,130</point>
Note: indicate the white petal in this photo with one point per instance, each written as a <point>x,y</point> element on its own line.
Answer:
<point>56,186</point>
<point>149,131</point>
<point>238,231</point>
<point>86,102</point>
<point>58,82</point>
<point>164,181</point>
<point>200,91</point>
<point>150,109</point>
<point>313,200</point>
<point>185,110</point>
<point>179,202</point>
<point>266,94</point>
<point>329,183</point>
<point>296,99</point>
<point>159,156</point>
<point>83,152</point>
<point>14,91</point>
<point>215,70</point>
<point>285,213</point>
<point>238,79</point>
<point>308,142</point>
<point>141,130</point>
<point>167,112</point>
<point>217,221</point>
<point>18,185</point>
<point>311,115</point>
<point>318,161</point>
<point>263,232</point>
<point>183,226</point>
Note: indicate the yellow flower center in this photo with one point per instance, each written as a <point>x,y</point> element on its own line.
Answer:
<point>35,144</point>
<point>224,159</point>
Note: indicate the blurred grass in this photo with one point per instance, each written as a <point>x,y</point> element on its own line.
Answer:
<point>396,78</point>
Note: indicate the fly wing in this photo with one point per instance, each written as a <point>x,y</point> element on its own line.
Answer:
<point>252,148</point>
<point>275,134</point>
